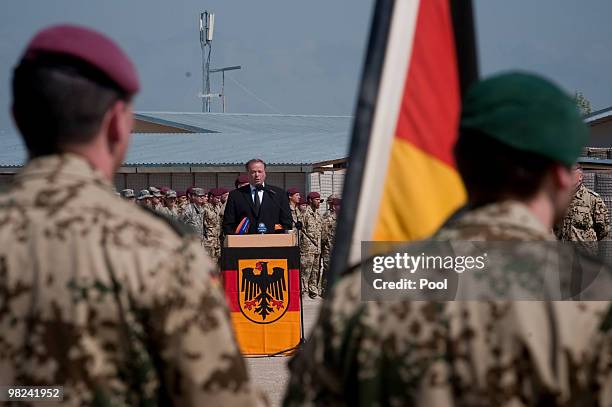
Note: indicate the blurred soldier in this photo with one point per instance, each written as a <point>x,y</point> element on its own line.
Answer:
<point>171,208</point>
<point>311,245</point>
<point>111,302</point>
<point>212,223</point>
<point>156,199</point>
<point>303,206</point>
<point>471,353</point>
<point>294,200</point>
<point>128,195</point>
<point>241,180</point>
<point>181,202</point>
<point>329,209</point>
<point>327,240</point>
<point>587,216</point>
<point>144,198</point>
<point>194,212</point>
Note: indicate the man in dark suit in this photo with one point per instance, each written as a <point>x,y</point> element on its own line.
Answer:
<point>257,201</point>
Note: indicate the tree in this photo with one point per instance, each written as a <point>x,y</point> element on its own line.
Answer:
<point>583,103</point>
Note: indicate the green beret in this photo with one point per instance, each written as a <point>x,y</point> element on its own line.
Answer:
<point>526,112</point>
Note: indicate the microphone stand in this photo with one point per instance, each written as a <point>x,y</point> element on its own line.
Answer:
<point>298,226</point>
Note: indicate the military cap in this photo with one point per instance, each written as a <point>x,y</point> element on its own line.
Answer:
<point>189,190</point>
<point>197,191</point>
<point>223,191</point>
<point>336,201</point>
<point>242,179</point>
<point>528,113</point>
<point>155,192</point>
<point>332,197</point>
<point>293,191</point>
<point>144,194</point>
<point>180,194</point>
<point>127,193</point>
<point>163,190</point>
<point>91,47</point>
<point>314,195</point>
<point>303,201</point>
<point>170,194</point>
<point>216,192</point>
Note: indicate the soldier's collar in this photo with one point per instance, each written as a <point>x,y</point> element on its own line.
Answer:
<point>508,214</point>
<point>66,165</point>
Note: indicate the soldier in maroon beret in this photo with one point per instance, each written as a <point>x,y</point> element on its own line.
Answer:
<point>242,180</point>
<point>100,296</point>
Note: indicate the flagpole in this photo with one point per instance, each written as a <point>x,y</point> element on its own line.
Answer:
<point>360,140</point>
<point>465,42</point>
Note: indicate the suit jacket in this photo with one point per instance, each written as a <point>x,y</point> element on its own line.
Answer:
<point>274,209</point>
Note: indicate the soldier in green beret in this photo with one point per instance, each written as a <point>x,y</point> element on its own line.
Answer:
<point>519,137</point>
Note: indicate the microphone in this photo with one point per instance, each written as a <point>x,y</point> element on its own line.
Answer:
<point>261,228</point>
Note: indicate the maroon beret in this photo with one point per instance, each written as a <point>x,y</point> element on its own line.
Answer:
<point>217,191</point>
<point>242,179</point>
<point>180,194</point>
<point>189,190</point>
<point>91,47</point>
<point>336,201</point>
<point>314,195</point>
<point>293,191</point>
<point>223,191</point>
<point>303,201</point>
<point>163,190</point>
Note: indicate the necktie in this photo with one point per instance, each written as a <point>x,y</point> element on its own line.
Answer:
<point>257,201</point>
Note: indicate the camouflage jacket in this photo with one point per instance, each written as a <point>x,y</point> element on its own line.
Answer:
<point>295,214</point>
<point>194,217</point>
<point>311,232</point>
<point>586,219</point>
<point>327,236</point>
<point>212,224</point>
<point>108,300</point>
<point>469,353</point>
<point>172,213</point>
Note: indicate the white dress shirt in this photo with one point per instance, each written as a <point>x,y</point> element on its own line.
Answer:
<point>261,193</point>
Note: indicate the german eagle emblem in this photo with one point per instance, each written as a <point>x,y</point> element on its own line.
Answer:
<point>264,292</point>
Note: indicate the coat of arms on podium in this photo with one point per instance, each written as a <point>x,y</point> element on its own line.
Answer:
<point>263,289</point>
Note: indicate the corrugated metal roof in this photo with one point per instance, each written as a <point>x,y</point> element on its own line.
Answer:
<point>598,115</point>
<point>227,140</point>
<point>243,122</point>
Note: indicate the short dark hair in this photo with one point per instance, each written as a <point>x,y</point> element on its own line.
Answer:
<point>253,161</point>
<point>59,101</point>
<point>493,171</point>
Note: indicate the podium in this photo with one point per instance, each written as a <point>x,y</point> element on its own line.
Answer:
<point>261,281</point>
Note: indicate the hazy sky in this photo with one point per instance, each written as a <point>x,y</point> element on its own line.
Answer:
<point>304,57</point>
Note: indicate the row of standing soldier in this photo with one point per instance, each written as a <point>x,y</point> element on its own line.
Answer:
<point>204,212</point>
<point>316,238</point>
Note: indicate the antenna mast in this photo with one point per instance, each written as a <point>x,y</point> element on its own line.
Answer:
<point>207,26</point>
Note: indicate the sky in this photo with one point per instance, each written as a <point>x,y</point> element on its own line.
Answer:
<point>302,57</point>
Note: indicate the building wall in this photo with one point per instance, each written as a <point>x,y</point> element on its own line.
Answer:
<point>326,183</point>
<point>601,134</point>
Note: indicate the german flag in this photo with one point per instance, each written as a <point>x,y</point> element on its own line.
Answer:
<point>262,288</point>
<point>402,182</point>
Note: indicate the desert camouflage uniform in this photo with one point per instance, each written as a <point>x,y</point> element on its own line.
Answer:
<point>295,214</point>
<point>586,219</point>
<point>327,243</point>
<point>107,300</point>
<point>193,216</point>
<point>212,228</point>
<point>469,353</point>
<point>172,213</point>
<point>310,251</point>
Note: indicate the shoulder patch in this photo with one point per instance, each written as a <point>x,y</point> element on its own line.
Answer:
<point>179,228</point>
